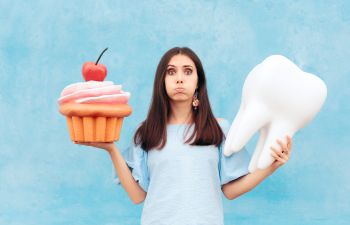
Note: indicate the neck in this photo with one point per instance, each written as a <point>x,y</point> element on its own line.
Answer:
<point>181,112</point>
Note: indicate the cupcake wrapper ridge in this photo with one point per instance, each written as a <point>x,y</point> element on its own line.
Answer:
<point>94,129</point>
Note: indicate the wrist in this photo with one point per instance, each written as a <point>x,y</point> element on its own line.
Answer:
<point>273,168</point>
<point>112,149</point>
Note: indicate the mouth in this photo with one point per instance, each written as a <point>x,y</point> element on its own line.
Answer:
<point>179,89</point>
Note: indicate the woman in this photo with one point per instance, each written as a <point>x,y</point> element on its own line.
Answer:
<point>175,163</point>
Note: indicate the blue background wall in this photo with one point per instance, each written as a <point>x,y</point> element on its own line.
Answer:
<point>45,179</point>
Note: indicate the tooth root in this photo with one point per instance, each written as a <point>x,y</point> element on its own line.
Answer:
<point>279,98</point>
<point>245,125</point>
<point>227,147</point>
<point>257,152</point>
<point>277,130</point>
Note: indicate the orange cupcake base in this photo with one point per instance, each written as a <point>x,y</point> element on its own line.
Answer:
<point>94,129</point>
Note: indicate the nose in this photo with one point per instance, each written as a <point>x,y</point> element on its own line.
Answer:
<point>179,78</point>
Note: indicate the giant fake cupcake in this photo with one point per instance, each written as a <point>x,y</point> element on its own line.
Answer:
<point>94,109</point>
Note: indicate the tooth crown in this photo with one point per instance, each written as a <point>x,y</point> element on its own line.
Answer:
<point>278,99</point>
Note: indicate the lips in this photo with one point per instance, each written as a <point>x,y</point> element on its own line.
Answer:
<point>179,89</point>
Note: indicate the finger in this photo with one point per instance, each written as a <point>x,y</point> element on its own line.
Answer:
<point>281,155</point>
<point>83,143</point>
<point>289,142</point>
<point>278,152</point>
<point>285,153</point>
<point>282,160</point>
<point>285,156</point>
<point>284,148</point>
<point>274,155</point>
<point>281,144</point>
<point>278,158</point>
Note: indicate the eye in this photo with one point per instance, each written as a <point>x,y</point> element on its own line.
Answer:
<point>170,71</point>
<point>188,72</point>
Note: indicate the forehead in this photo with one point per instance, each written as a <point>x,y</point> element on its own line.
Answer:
<point>180,60</point>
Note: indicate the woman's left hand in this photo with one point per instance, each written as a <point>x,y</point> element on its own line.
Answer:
<point>281,156</point>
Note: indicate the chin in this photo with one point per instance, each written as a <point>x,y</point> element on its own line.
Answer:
<point>180,99</point>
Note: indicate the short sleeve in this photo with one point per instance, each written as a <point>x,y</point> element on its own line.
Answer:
<point>233,166</point>
<point>136,159</point>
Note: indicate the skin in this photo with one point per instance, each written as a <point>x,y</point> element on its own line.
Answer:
<point>181,72</point>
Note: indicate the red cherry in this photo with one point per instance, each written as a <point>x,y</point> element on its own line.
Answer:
<point>91,71</point>
<point>94,71</point>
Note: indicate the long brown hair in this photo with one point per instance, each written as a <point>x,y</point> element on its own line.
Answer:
<point>152,131</point>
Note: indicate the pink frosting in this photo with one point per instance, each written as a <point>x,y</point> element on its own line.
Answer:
<point>94,92</point>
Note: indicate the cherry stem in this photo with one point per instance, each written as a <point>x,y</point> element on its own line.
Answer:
<point>100,56</point>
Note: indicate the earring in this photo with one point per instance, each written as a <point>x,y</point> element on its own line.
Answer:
<point>195,102</point>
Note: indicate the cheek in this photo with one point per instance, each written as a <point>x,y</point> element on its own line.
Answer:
<point>194,81</point>
<point>167,84</point>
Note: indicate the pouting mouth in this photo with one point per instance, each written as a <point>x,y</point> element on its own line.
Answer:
<point>179,89</point>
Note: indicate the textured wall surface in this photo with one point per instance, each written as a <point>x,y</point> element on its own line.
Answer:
<point>45,179</point>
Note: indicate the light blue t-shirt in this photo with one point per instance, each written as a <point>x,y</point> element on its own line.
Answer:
<point>183,182</point>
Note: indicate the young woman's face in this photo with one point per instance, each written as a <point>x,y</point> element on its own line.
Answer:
<point>181,78</point>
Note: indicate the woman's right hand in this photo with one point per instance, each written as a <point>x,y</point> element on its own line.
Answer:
<point>108,146</point>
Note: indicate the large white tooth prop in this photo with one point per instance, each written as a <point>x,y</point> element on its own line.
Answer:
<point>278,98</point>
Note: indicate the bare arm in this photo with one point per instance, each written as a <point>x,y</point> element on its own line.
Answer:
<point>245,183</point>
<point>134,190</point>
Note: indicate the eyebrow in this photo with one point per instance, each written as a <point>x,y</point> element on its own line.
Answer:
<point>182,66</point>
